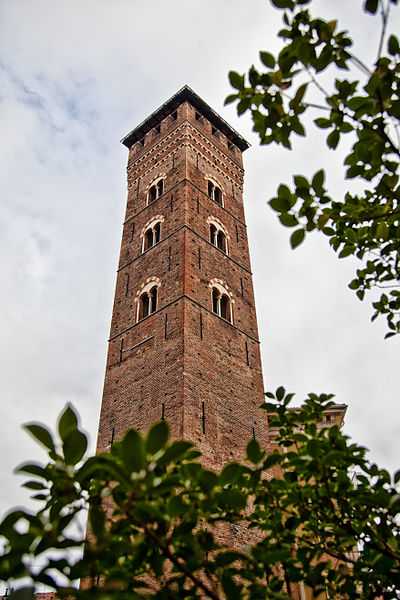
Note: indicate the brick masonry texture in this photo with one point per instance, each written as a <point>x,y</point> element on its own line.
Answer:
<point>184,363</point>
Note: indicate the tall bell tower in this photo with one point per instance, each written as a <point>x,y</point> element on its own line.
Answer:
<point>184,342</point>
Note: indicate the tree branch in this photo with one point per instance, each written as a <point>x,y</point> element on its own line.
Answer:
<point>180,565</point>
<point>385,17</point>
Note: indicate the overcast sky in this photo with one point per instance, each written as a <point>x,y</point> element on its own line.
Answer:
<point>74,78</point>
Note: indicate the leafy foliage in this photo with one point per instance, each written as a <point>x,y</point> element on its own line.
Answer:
<point>162,526</point>
<point>365,224</point>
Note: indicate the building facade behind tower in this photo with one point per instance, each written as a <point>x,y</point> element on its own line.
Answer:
<point>184,342</point>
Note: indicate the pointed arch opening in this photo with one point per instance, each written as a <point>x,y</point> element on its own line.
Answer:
<point>221,302</point>
<point>156,189</point>
<point>214,191</point>
<point>147,300</point>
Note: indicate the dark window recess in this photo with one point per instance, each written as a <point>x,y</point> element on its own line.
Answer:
<point>173,160</point>
<point>237,233</point>
<point>198,116</point>
<point>203,418</point>
<point>132,231</point>
<point>218,238</point>
<point>197,161</point>
<point>121,349</point>
<point>231,147</point>
<point>215,131</point>
<point>156,190</point>
<point>214,192</point>
<point>198,206</point>
<point>221,305</point>
<point>163,412</point>
<point>254,433</point>
<point>215,299</point>
<point>224,306</point>
<point>148,302</point>
<point>152,236</point>
<point>112,436</point>
<point>157,129</point>
<point>241,287</point>
<point>148,239</point>
<point>174,115</point>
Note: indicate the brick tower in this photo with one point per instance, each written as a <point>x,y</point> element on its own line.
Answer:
<point>184,343</point>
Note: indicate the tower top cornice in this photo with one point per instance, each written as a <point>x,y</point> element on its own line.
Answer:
<point>185,94</point>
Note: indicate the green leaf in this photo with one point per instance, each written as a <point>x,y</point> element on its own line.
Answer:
<point>68,422</point>
<point>236,80</point>
<point>232,499</point>
<point>382,231</point>
<point>318,181</point>
<point>333,139</point>
<point>176,507</point>
<point>299,95</point>
<point>280,393</point>
<point>253,452</point>
<point>283,3</point>
<point>74,447</point>
<point>32,469</point>
<point>230,473</point>
<point>133,451</point>
<point>279,204</point>
<point>157,437</point>
<point>231,589</point>
<point>34,485</point>
<point>267,59</point>
<point>288,220</point>
<point>297,237</point>
<point>284,192</point>
<point>231,98</point>
<point>176,451</point>
<point>347,251</point>
<point>301,182</point>
<point>42,434</point>
<point>323,123</point>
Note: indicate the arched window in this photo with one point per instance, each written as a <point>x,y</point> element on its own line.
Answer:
<point>214,192</point>
<point>152,234</point>
<point>218,235</point>
<point>221,303</point>
<point>155,190</point>
<point>148,301</point>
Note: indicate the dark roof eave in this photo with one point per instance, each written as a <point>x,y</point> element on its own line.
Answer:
<point>185,94</point>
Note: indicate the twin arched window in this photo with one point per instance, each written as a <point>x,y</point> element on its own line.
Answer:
<point>221,303</point>
<point>147,301</point>
<point>155,190</point>
<point>214,192</point>
<point>152,234</point>
<point>218,237</point>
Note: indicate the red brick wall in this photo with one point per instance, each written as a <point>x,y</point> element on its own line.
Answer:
<point>202,373</point>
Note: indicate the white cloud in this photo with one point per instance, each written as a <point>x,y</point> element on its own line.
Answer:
<point>75,76</point>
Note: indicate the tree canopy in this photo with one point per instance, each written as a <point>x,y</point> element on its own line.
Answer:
<point>316,73</point>
<point>316,511</point>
